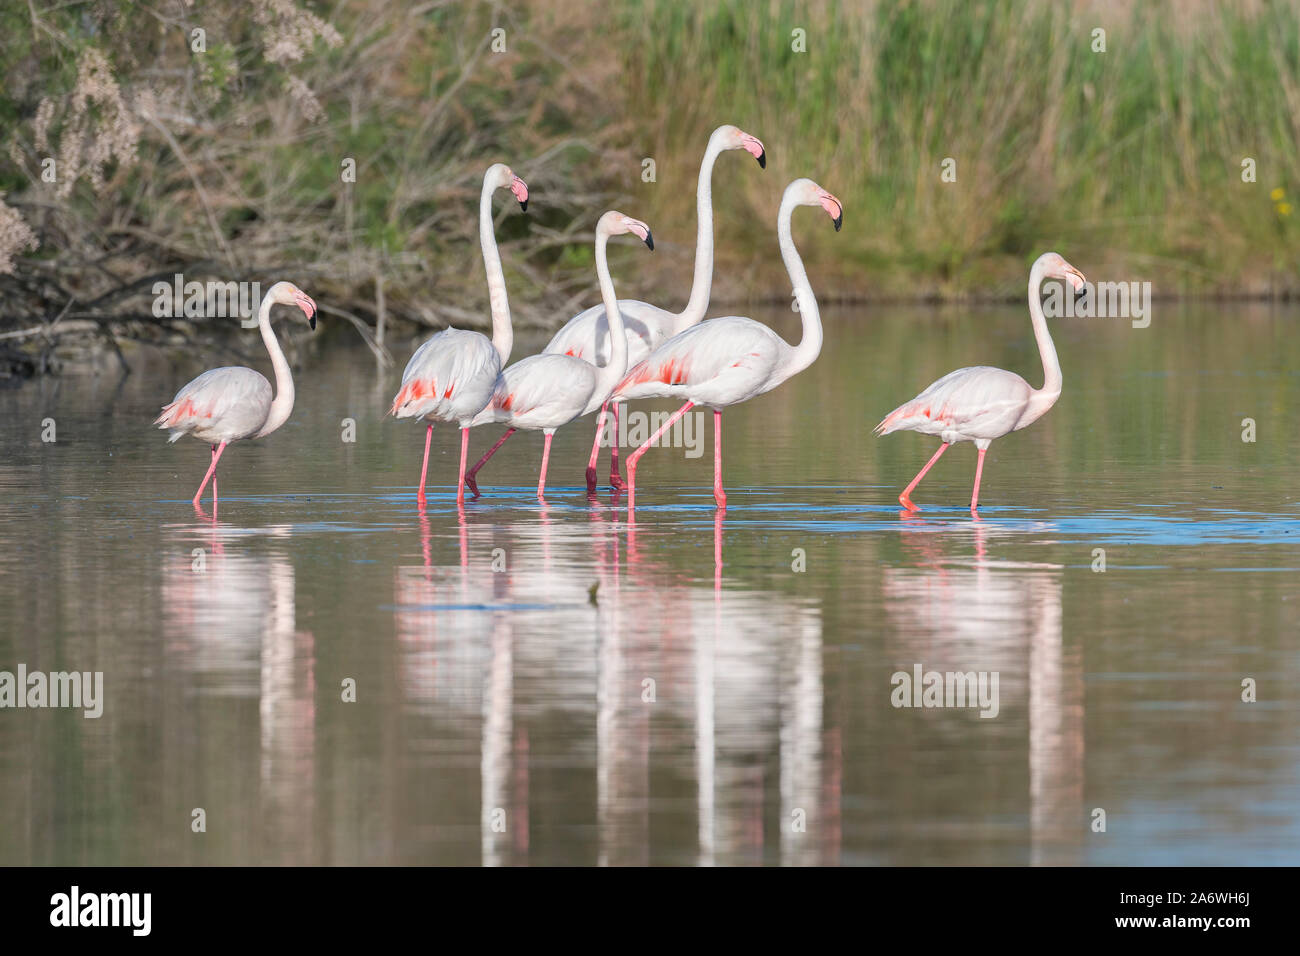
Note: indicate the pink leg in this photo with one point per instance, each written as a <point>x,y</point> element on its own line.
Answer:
<point>464,452</point>
<point>214,482</point>
<point>719,495</point>
<point>979,470</point>
<point>595,449</point>
<point>546,457</point>
<point>212,470</point>
<point>905,498</point>
<point>636,455</point>
<point>469,475</point>
<point>424,469</point>
<point>615,479</point>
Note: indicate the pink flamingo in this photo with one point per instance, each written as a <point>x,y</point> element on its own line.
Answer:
<point>543,392</point>
<point>981,403</point>
<point>586,335</point>
<point>728,360</point>
<point>226,404</point>
<point>451,376</point>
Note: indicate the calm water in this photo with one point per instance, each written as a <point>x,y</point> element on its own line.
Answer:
<point>709,703</point>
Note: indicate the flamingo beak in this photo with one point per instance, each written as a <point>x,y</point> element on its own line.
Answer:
<point>755,148</point>
<point>520,189</point>
<point>642,232</point>
<point>1075,278</point>
<point>308,307</point>
<point>834,209</point>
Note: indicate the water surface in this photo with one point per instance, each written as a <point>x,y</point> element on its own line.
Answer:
<point>557,684</point>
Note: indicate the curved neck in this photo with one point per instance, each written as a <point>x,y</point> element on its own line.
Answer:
<point>613,369</point>
<point>282,404</point>
<point>502,335</point>
<point>702,284</point>
<point>1046,348</point>
<point>810,346</point>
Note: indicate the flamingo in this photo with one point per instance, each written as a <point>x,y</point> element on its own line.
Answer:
<point>586,335</point>
<point>226,404</point>
<point>544,391</point>
<point>981,403</point>
<point>451,376</point>
<point>728,360</point>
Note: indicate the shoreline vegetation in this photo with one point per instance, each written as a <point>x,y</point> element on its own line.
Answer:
<point>342,146</point>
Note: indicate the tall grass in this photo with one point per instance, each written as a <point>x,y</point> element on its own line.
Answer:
<point>1128,159</point>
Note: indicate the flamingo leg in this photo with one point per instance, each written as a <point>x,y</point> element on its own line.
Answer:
<point>212,470</point>
<point>615,479</point>
<point>424,469</point>
<point>469,475</point>
<point>905,498</point>
<point>464,453</point>
<point>636,455</point>
<point>719,495</point>
<point>214,480</point>
<point>979,470</point>
<point>546,457</point>
<point>595,448</point>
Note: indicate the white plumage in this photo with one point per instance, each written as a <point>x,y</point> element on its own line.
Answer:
<point>450,378</point>
<point>976,404</point>
<point>720,362</point>
<point>586,335</point>
<point>221,405</point>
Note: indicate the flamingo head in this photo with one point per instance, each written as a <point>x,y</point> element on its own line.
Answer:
<point>805,192</point>
<point>286,293</point>
<point>614,223</point>
<point>1055,267</point>
<point>501,176</point>
<point>733,137</point>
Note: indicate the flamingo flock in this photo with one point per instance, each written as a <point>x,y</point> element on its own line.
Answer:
<point>622,350</point>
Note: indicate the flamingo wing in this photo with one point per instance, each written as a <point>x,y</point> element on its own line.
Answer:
<point>541,391</point>
<point>586,335</point>
<point>972,403</point>
<point>449,378</point>
<point>718,362</point>
<point>222,404</point>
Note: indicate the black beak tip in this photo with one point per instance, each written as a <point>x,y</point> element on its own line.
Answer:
<point>312,322</point>
<point>839,221</point>
<point>650,240</point>
<point>762,160</point>
<point>523,204</point>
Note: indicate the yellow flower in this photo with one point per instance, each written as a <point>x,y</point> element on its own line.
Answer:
<point>1276,194</point>
<point>1284,209</point>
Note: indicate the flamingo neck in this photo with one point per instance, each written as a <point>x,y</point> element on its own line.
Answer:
<point>810,346</point>
<point>616,366</point>
<point>502,334</point>
<point>702,284</point>
<point>282,404</point>
<point>1051,389</point>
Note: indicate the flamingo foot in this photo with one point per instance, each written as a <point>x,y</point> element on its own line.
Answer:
<point>906,502</point>
<point>591,480</point>
<point>616,480</point>
<point>472,485</point>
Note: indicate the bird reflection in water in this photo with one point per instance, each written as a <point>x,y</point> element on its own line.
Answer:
<point>981,613</point>
<point>230,627</point>
<point>681,686</point>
